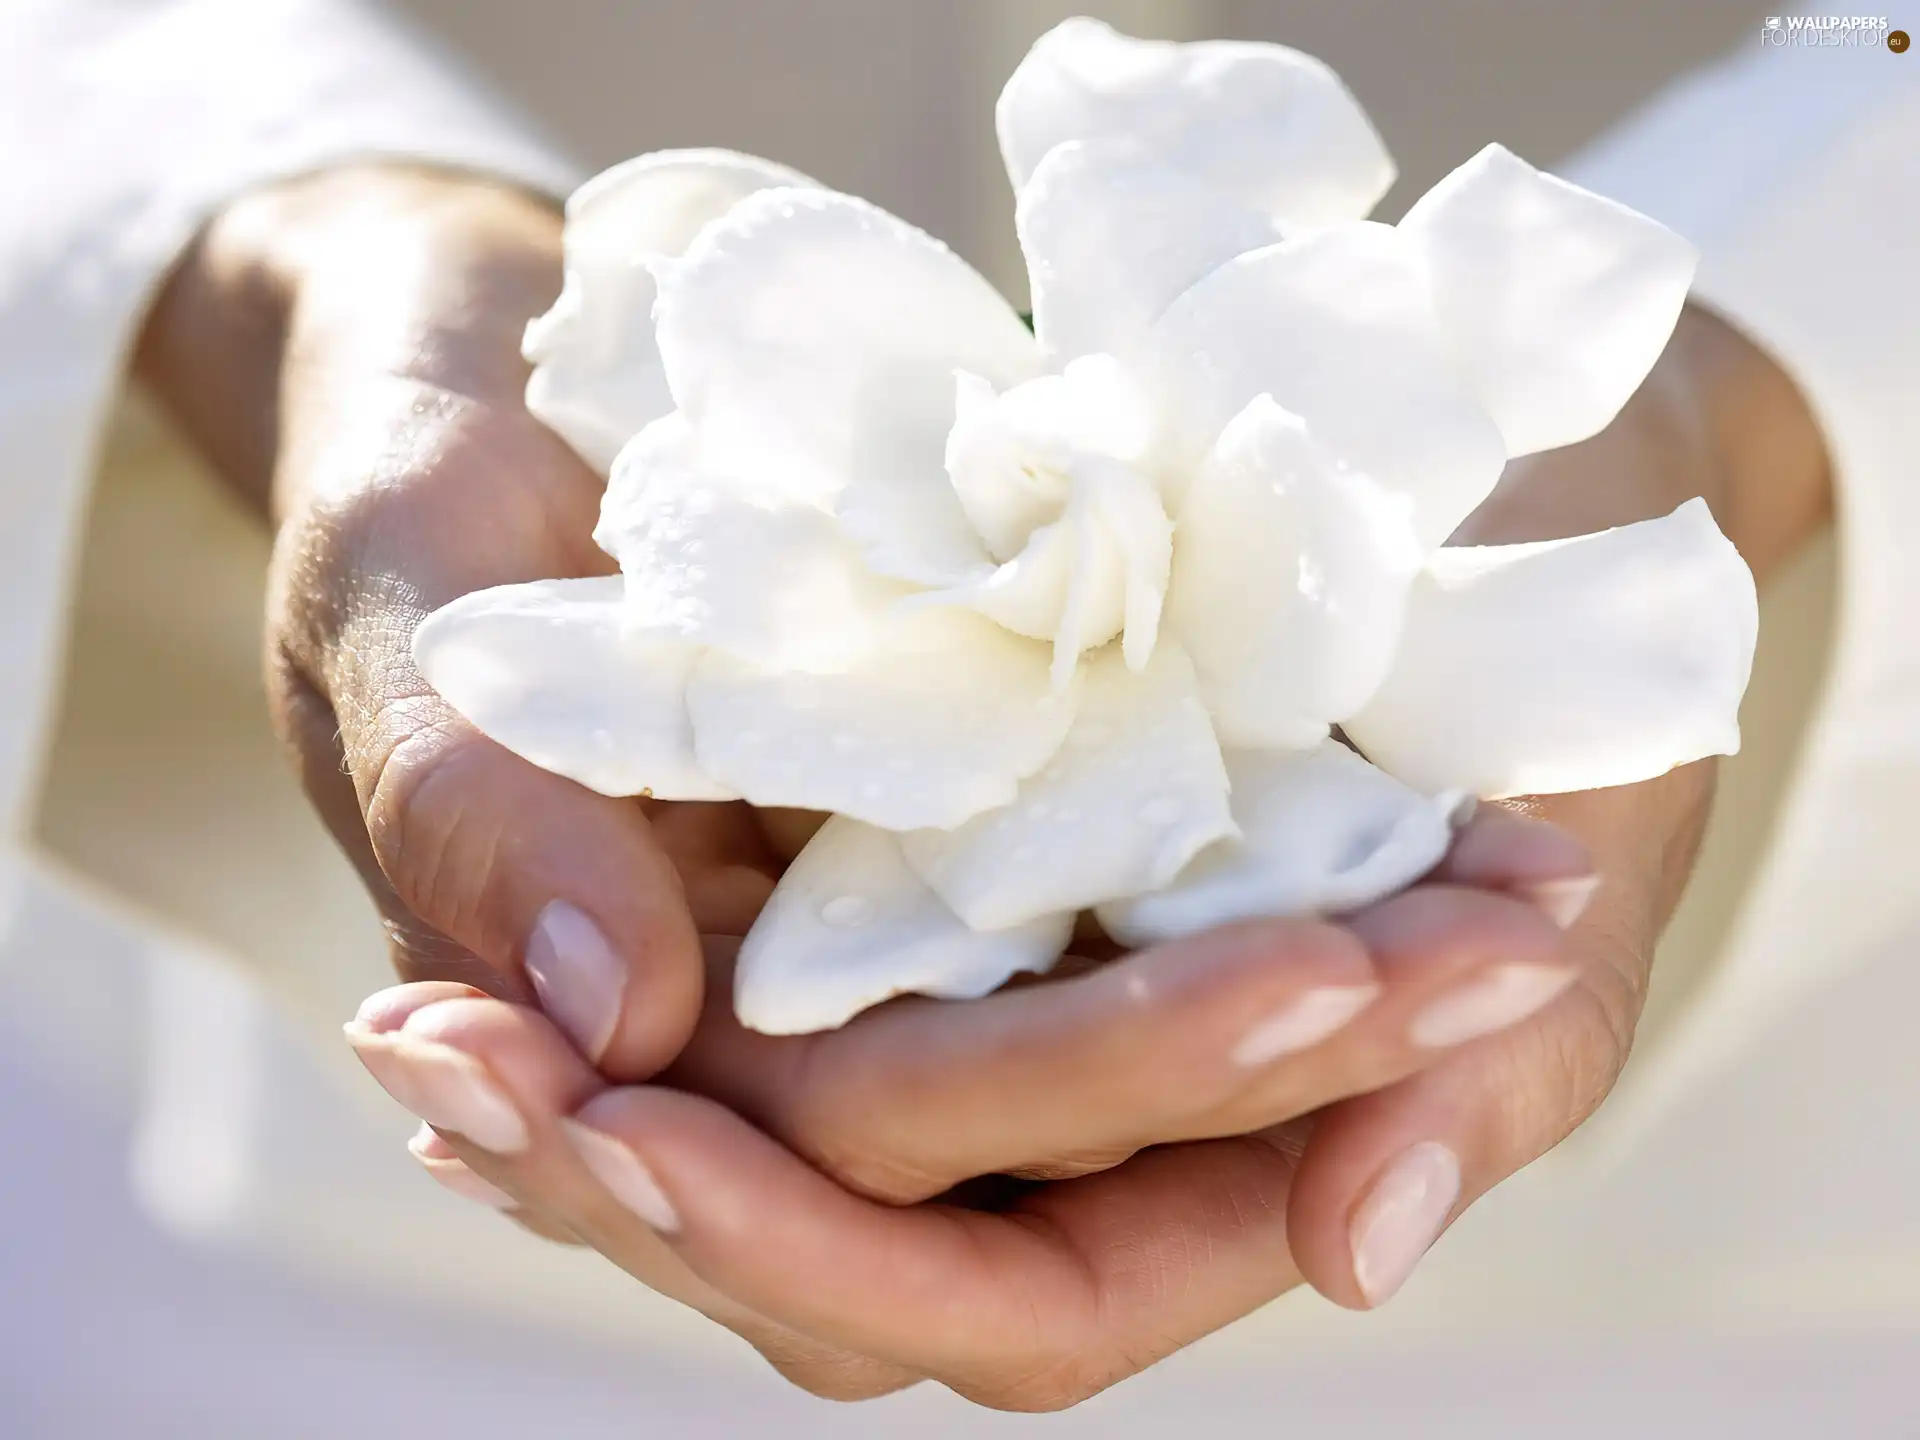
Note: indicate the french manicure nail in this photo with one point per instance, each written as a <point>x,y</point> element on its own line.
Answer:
<point>1496,1000</point>
<point>442,1086</point>
<point>1401,1217</point>
<point>577,974</point>
<point>428,1144</point>
<point>1303,1022</point>
<point>438,1159</point>
<point>1563,901</point>
<point>623,1173</point>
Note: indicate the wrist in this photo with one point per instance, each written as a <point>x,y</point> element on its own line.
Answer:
<point>1771,471</point>
<point>1659,451</point>
<point>423,276</point>
<point>304,287</point>
<point>1715,418</point>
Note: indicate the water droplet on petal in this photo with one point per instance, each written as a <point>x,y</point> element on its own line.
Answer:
<point>847,911</point>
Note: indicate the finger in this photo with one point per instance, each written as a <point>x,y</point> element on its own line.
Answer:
<point>726,866</point>
<point>1220,1034</point>
<point>1037,1308</point>
<point>497,1078</point>
<point>1502,848</point>
<point>544,881</point>
<point>1384,1174</point>
<point>495,872</point>
<point>443,1165</point>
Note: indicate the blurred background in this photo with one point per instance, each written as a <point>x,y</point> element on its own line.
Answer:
<point>231,1237</point>
<point>892,99</point>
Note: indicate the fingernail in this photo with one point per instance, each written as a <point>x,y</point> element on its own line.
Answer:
<point>389,1009</point>
<point>624,1174</point>
<point>427,1144</point>
<point>1304,1022</point>
<point>447,1089</point>
<point>1563,901</point>
<point>1401,1217</point>
<point>1496,1000</point>
<point>578,976</point>
<point>437,1158</point>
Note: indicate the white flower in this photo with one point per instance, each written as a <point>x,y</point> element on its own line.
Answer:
<point>1061,621</point>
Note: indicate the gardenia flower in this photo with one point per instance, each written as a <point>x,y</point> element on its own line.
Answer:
<point>1063,620</point>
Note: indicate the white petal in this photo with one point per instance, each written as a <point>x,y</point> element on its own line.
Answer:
<point>1268,125</point>
<point>1557,300</point>
<point>1107,559</point>
<point>850,925</point>
<point>1028,594</point>
<point>663,447</point>
<point>1111,240</point>
<point>935,722</point>
<point>1136,525</point>
<point>1012,457</point>
<point>1095,608</point>
<point>1005,459</point>
<point>597,378</point>
<point>1290,577</point>
<point>723,564</point>
<point>1568,665</point>
<point>914,530</point>
<point>553,671</point>
<point>813,338</point>
<point>1053,476</point>
<point>1338,328</point>
<point>1135,791</point>
<point>1321,831</point>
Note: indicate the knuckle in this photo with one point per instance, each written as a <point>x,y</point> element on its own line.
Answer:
<point>827,1112</point>
<point>832,1375</point>
<point>855,1162</point>
<point>1562,1075</point>
<point>1059,1385</point>
<point>420,952</point>
<point>321,566</point>
<point>298,709</point>
<point>1593,1051</point>
<point>436,850</point>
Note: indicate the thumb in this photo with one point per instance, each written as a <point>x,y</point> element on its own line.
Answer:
<point>1384,1174</point>
<point>492,872</point>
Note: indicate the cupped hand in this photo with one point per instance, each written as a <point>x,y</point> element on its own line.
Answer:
<point>843,1200</point>
<point>791,1188</point>
<point>346,347</point>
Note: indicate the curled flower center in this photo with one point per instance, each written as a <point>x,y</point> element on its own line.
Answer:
<point>1057,478</point>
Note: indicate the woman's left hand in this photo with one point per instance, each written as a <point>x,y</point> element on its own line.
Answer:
<point>802,1190</point>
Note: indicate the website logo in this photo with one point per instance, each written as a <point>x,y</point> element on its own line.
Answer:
<point>1830,31</point>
